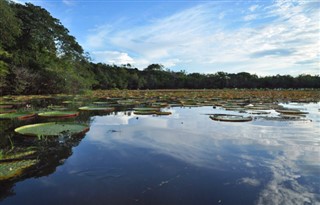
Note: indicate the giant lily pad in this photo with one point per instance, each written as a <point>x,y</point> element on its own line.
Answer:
<point>150,112</point>
<point>58,114</point>
<point>92,108</point>
<point>231,118</point>
<point>12,169</point>
<point>291,112</point>
<point>145,109</point>
<point>51,129</point>
<point>17,115</point>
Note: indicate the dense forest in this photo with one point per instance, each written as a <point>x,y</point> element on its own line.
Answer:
<point>39,56</point>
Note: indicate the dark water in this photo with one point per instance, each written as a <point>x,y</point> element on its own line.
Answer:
<point>184,158</point>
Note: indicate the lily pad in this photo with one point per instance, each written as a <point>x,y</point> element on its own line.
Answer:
<point>150,112</point>
<point>51,129</point>
<point>17,115</point>
<point>144,109</point>
<point>57,107</point>
<point>291,112</point>
<point>163,113</point>
<point>92,108</point>
<point>231,118</point>
<point>58,114</point>
<point>12,169</point>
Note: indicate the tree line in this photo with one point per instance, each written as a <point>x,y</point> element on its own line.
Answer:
<point>39,56</point>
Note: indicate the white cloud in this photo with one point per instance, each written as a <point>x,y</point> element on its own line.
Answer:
<point>18,1</point>
<point>205,39</point>
<point>68,2</point>
<point>253,8</point>
<point>250,17</point>
<point>113,57</point>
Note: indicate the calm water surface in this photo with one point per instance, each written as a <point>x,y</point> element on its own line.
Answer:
<point>184,158</point>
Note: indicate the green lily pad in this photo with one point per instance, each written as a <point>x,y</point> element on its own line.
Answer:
<point>57,107</point>
<point>58,114</point>
<point>163,113</point>
<point>17,115</point>
<point>92,108</point>
<point>101,103</point>
<point>145,109</point>
<point>51,129</point>
<point>291,112</point>
<point>231,118</point>
<point>12,169</point>
<point>2,111</point>
<point>150,112</point>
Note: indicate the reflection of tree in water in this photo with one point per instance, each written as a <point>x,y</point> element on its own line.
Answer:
<point>30,157</point>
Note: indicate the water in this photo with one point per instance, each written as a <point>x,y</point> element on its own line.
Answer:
<point>183,158</point>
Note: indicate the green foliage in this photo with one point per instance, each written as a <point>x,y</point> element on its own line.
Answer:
<point>39,56</point>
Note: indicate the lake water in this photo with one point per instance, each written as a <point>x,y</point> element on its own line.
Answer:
<point>183,158</point>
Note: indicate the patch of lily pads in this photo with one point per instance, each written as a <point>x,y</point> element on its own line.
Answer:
<point>51,129</point>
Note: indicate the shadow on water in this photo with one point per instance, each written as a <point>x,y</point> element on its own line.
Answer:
<point>23,157</point>
<point>28,157</point>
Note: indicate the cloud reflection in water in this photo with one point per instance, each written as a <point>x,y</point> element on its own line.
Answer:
<point>289,150</point>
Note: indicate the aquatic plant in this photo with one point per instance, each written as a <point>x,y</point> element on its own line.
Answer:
<point>51,129</point>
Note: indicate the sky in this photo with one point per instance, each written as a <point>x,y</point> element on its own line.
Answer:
<point>260,37</point>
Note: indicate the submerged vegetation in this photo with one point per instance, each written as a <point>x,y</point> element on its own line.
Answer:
<point>39,56</point>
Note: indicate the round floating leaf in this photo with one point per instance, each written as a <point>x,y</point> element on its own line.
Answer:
<point>51,129</point>
<point>101,103</point>
<point>58,114</point>
<point>17,115</point>
<point>2,111</point>
<point>57,107</point>
<point>163,113</point>
<point>145,109</point>
<point>151,112</point>
<point>291,112</point>
<point>12,169</point>
<point>92,108</point>
<point>231,118</point>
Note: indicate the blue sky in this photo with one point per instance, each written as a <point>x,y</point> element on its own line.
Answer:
<point>259,37</point>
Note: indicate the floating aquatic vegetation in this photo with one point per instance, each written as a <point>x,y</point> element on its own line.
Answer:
<point>258,107</point>
<point>151,112</point>
<point>51,129</point>
<point>13,169</point>
<point>291,112</point>
<point>145,109</point>
<point>94,108</point>
<point>230,118</point>
<point>58,114</point>
<point>2,111</point>
<point>17,115</point>
<point>15,154</point>
<point>163,113</point>
<point>57,107</point>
